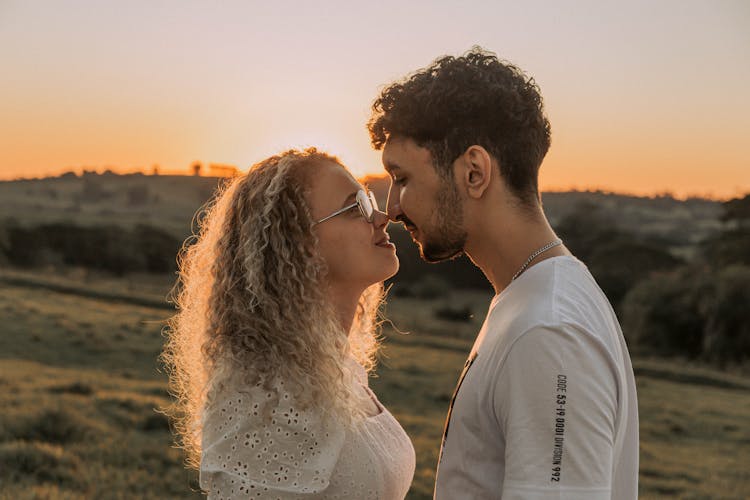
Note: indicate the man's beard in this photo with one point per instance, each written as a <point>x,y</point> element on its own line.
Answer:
<point>449,236</point>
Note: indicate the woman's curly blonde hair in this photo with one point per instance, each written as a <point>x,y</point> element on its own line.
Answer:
<point>251,300</point>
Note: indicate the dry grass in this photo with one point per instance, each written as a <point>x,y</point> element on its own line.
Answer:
<point>79,383</point>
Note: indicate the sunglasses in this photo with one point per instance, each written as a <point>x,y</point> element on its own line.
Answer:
<point>366,203</point>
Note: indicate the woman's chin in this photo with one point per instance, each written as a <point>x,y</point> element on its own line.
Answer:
<point>393,269</point>
<point>386,271</point>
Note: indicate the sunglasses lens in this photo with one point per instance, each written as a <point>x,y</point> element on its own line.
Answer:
<point>366,205</point>
<point>373,201</point>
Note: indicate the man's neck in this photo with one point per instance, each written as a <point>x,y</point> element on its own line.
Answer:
<point>501,247</point>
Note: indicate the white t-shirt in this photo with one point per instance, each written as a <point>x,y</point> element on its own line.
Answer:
<point>301,454</point>
<point>547,407</point>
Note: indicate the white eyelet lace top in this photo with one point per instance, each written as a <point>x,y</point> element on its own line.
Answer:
<point>300,454</point>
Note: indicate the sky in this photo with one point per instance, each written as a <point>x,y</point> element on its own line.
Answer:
<point>644,97</point>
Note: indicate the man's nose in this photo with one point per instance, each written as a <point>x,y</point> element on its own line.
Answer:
<point>393,207</point>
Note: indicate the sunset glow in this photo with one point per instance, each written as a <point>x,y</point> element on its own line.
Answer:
<point>643,98</point>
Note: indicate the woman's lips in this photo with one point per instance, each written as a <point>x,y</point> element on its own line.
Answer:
<point>385,243</point>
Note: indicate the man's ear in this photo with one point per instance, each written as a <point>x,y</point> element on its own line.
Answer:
<point>475,171</point>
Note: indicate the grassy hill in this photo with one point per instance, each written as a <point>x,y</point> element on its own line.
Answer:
<point>169,202</point>
<point>79,385</point>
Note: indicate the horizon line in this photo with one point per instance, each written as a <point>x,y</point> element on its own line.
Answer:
<point>233,170</point>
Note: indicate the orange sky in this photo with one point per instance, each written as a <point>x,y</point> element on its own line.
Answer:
<point>645,98</point>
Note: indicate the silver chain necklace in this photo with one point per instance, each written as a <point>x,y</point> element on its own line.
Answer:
<point>534,255</point>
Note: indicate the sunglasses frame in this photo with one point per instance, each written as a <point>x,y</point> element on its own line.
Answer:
<point>362,197</point>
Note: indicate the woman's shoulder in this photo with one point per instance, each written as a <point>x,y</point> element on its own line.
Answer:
<point>270,410</point>
<point>259,433</point>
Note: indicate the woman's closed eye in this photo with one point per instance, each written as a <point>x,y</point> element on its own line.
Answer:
<point>354,210</point>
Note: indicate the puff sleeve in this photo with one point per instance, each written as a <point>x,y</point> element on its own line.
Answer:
<point>258,444</point>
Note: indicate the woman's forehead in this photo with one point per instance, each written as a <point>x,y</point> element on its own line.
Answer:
<point>332,176</point>
<point>330,186</point>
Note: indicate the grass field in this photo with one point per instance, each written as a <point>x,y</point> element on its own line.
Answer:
<point>79,385</point>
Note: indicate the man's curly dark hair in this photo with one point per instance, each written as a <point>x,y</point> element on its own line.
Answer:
<point>474,99</point>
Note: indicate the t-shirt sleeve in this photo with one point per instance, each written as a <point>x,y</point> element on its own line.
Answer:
<point>555,402</point>
<point>261,445</point>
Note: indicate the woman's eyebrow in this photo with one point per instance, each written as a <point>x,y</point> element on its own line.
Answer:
<point>350,199</point>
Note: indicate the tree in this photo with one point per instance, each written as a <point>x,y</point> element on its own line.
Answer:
<point>138,194</point>
<point>731,245</point>
<point>621,264</point>
<point>616,258</point>
<point>664,314</point>
<point>727,329</point>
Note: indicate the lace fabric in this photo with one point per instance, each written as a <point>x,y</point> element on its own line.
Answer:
<point>258,444</point>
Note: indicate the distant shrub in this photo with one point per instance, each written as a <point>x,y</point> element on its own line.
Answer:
<point>52,426</point>
<point>137,195</point>
<point>587,228</point>
<point>158,248</point>
<point>401,290</point>
<point>453,312</point>
<point>727,329</point>
<point>108,248</point>
<point>620,265</point>
<point>21,461</point>
<point>127,412</point>
<point>431,286</point>
<point>23,245</point>
<point>728,247</point>
<point>74,388</point>
<point>737,209</point>
<point>155,422</point>
<point>616,257</point>
<point>4,244</point>
<point>92,190</point>
<point>664,314</point>
<point>695,312</point>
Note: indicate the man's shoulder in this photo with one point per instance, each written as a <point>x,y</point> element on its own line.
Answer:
<point>557,295</point>
<point>561,289</point>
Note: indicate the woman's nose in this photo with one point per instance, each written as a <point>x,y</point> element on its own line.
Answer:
<point>379,219</point>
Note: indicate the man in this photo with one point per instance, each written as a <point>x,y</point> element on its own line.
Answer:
<point>546,405</point>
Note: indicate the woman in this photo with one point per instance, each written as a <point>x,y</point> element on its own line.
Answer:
<point>274,334</point>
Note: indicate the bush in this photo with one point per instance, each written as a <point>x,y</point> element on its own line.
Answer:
<point>21,461</point>
<point>79,388</point>
<point>664,314</point>
<point>694,312</point>
<point>108,248</point>
<point>400,290</point>
<point>155,422</point>
<point>52,426</point>
<point>618,266</point>
<point>587,228</point>
<point>138,195</point>
<point>431,287</point>
<point>93,191</point>
<point>727,330</point>
<point>159,249</point>
<point>728,247</point>
<point>452,312</point>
